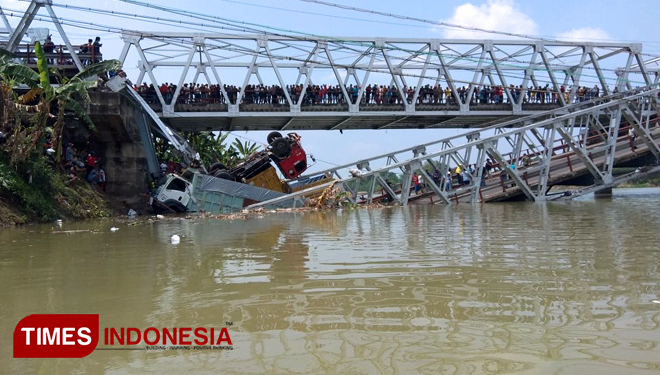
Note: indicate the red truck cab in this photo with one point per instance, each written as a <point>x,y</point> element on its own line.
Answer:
<point>288,154</point>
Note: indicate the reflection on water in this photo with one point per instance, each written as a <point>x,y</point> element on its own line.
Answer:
<point>562,288</point>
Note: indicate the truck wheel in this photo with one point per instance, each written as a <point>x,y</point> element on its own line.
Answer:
<point>222,173</point>
<point>272,136</point>
<point>215,166</point>
<point>176,206</point>
<point>281,147</point>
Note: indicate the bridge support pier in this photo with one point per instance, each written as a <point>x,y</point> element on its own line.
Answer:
<point>119,144</point>
<point>605,193</point>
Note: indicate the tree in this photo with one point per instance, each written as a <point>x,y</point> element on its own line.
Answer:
<point>20,140</point>
<point>213,148</point>
<point>246,148</point>
<point>67,91</point>
<point>23,139</point>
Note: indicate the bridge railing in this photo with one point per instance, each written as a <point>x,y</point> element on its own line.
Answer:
<point>58,56</point>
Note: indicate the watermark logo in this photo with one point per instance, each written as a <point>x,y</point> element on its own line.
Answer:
<point>77,336</point>
<point>56,336</point>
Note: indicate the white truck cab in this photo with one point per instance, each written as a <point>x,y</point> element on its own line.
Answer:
<point>174,192</point>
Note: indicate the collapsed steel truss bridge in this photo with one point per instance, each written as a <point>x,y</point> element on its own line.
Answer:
<point>531,154</point>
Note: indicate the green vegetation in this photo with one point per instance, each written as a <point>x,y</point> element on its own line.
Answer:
<point>30,188</point>
<point>212,148</point>
<point>643,183</point>
<point>393,178</point>
<point>33,191</point>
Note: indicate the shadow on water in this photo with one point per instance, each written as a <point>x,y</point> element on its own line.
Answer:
<point>499,288</point>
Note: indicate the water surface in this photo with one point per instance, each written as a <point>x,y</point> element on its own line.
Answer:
<point>510,288</point>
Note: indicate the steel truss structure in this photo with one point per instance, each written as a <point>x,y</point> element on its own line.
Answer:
<point>399,63</point>
<point>586,138</point>
<point>463,66</point>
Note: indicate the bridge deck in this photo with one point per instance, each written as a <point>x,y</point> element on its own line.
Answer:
<point>564,167</point>
<point>215,116</point>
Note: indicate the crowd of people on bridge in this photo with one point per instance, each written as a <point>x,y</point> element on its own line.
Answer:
<point>373,94</point>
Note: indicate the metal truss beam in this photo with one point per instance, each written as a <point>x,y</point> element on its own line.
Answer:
<point>556,147</point>
<point>408,63</point>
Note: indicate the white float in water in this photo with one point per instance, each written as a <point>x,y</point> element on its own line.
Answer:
<point>175,239</point>
<point>114,229</point>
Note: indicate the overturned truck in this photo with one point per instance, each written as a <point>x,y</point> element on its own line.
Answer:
<point>220,189</point>
<point>226,190</point>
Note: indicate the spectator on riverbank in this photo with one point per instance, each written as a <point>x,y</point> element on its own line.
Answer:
<point>90,162</point>
<point>69,153</point>
<point>71,174</point>
<point>94,176</point>
<point>101,176</point>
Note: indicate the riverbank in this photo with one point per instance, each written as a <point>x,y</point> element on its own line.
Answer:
<point>41,195</point>
<point>645,183</point>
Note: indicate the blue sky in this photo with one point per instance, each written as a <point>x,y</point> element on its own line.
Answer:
<point>622,21</point>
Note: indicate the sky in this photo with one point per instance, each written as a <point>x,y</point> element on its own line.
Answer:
<point>588,20</point>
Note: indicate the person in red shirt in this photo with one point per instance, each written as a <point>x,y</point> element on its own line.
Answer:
<point>90,162</point>
<point>415,182</point>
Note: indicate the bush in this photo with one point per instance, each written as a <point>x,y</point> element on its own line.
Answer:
<point>35,198</point>
<point>43,195</point>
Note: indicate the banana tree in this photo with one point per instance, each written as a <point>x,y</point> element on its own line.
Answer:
<point>13,74</point>
<point>20,140</point>
<point>246,148</point>
<point>66,92</point>
<point>212,148</point>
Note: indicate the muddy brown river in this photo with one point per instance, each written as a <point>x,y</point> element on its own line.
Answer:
<point>510,288</point>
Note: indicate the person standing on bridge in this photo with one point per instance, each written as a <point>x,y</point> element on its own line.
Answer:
<point>415,183</point>
<point>97,49</point>
<point>632,135</point>
<point>459,176</point>
<point>436,176</point>
<point>49,48</point>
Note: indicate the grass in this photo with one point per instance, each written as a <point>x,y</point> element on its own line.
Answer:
<point>643,183</point>
<point>33,192</point>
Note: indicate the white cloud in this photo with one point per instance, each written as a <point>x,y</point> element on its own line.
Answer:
<point>585,34</point>
<point>497,15</point>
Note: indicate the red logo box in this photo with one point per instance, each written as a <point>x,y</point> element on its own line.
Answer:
<point>56,336</point>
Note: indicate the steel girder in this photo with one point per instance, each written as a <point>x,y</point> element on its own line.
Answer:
<point>402,63</point>
<point>344,61</point>
<point>545,151</point>
<point>17,34</point>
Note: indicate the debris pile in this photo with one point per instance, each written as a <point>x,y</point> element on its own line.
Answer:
<point>328,198</point>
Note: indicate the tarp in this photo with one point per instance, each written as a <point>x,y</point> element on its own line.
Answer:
<point>306,181</point>
<point>235,189</point>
